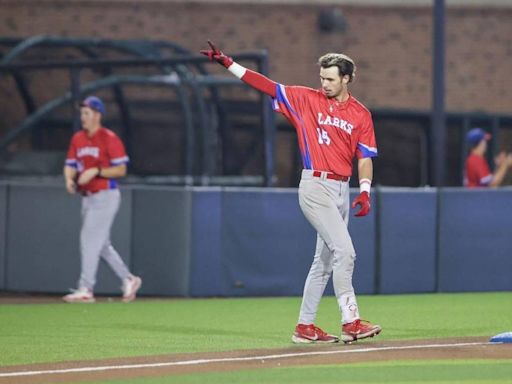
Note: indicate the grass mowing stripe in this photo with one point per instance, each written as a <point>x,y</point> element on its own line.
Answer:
<point>61,332</point>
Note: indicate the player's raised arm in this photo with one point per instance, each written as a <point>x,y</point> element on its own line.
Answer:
<point>252,78</point>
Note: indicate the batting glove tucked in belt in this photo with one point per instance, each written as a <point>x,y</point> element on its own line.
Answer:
<point>215,54</point>
<point>363,200</point>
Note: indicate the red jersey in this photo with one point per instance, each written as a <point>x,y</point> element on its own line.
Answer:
<point>330,133</point>
<point>477,172</point>
<point>103,149</point>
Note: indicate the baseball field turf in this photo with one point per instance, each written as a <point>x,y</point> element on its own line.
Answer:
<point>42,336</point>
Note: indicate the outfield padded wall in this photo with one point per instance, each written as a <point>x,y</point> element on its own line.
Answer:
<point>43,240</point>
<point>3,229</point>
<point>407,240</point>
<point>206,247</point>
<point>363,231</point>
<point>267,243</point>
<point>257,242</point>
<point>475,242</point>
<point>238,242</point>
<point>161,239</point>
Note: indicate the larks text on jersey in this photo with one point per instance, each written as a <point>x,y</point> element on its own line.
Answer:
<point>88,151</point>
<point>339,123</point>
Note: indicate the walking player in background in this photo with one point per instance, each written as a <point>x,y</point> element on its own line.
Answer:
<point>332,127</point>
<point>96,158</point>
<point>477,172</point>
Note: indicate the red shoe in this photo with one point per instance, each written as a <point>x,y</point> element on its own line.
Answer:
<point>359,329</point>
<point>309,333</point>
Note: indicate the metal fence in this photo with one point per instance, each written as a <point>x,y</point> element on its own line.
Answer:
<point>200,110</point>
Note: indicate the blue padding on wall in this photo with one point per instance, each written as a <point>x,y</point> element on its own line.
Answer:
<point>3,232</point>
<point>257,242</point>
<point>267,243</point>
<point>206,248</point>
<point>161,239</point>
<point>363,233</point>
<point>475,240</point>
<point>407,240</point>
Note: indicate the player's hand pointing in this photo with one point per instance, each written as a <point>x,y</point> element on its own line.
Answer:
<point>215,54</point>
<point>363,200</point>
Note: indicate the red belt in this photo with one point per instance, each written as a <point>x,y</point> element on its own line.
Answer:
<point>89,193</point>
<point>331,176</point>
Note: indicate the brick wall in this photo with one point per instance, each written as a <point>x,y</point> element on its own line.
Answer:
<point>391,45</point>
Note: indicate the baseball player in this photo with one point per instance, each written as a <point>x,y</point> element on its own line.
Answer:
<point>477,172</point>
<point>332,127</point>
<point>95,159</point>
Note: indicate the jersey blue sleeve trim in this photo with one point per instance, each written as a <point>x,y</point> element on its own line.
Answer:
<point>281,98</point>
<point>72,163</point>
<point>119,160</point>
<point>367,151</point>
<point>112,184</point>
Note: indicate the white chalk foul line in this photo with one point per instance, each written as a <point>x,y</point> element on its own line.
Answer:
<point>232,359</point>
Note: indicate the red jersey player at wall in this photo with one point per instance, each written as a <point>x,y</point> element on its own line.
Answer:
<point>477,172</point>
<point>96,158</point>
<point>332,128</point>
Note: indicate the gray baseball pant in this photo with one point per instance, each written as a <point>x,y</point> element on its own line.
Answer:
<point>325,203</point>
<point>98,213</point>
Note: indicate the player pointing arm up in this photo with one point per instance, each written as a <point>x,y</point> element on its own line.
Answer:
<point>332,127</point>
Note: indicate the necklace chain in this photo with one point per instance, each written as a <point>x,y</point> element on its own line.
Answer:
<point>331,106</point>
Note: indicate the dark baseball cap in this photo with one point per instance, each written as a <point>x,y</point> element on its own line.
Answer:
<point>94,103</point>
<point>476,135</point>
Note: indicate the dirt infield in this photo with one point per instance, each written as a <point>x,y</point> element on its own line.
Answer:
<point>164,365</point>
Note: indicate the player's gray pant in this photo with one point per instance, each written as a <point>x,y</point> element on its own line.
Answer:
<point>325,203</point>
<point>98,213</point>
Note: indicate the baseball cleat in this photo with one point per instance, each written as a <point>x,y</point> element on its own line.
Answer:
<point>309,333</point>
<point>359,329</point>
<point>80,295</point>
<point>130,287</point>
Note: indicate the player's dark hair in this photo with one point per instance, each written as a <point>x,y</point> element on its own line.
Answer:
<point>345,64</point>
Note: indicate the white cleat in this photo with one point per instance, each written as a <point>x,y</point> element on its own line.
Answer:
<point>130,287</point>
<point>80,295</point>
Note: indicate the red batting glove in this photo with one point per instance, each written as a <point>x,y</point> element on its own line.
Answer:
<point>363,200</point>
<point>214,54</point>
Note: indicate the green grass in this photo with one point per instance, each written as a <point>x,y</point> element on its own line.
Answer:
<point>63,332</point>
<point>408,372</point>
